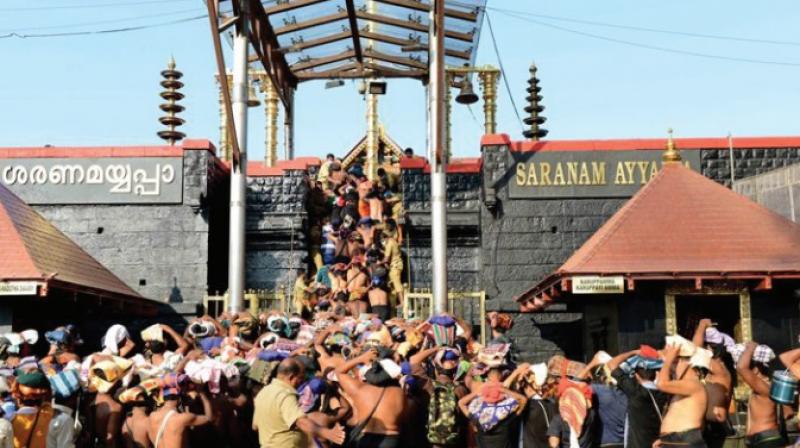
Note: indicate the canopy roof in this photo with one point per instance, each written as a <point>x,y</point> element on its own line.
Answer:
<point>682,225</point>
<point>330,39</point>
<point>35,250</point>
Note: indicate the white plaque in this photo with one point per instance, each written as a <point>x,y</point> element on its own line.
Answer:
<point>598,285</point>
<point>18,288</point>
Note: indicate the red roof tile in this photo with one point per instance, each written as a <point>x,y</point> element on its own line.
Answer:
<point>34,249</point>
<point>682,224</point>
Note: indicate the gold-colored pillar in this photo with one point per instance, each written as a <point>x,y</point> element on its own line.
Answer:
<point>488,79</point>
<point>373,137</point>
<point>745,317</point>
<point>224,139</point>
<point>670,314</point>
<point>271,126</point>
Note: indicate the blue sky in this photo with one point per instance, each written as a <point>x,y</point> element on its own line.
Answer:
<point>103,90</point>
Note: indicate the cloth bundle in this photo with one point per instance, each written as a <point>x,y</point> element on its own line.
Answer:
<point>489,415</point>
<point>714,336</point>
<point>561,366</point>
<point>65,383</point>
<point>500,321</point>
<point>442,330</point>
<point>113,337</point>
<point>763,354</point>
<point>104,375</point>
<point>153,333</point>
<point>494,355</point>
<point>210,371</point>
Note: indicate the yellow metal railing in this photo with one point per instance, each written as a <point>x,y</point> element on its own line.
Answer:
<point>418,303</point>
<point>255,301</point>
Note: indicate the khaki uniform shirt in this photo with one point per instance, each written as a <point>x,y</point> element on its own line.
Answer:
<point>276,411</point>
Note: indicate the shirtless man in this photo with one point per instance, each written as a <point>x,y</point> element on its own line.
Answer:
<point>684,420</point>
<point>718,387</point>
<point>134,431</point>
<point>378,294</point>
<point>366,231</point>
<point>168,426</point>
<point>382,429</point>
<point>357,279</point>
<point>762,428</point>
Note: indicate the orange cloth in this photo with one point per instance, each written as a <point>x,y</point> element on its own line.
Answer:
<point>23,425</point>
<point>363,208</point>
<point>573,407</point>
<point>492,392</point>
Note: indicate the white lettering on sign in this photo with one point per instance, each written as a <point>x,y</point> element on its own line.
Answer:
<point>598,285</point>
<point>18,288</point>
<point>120,178</point>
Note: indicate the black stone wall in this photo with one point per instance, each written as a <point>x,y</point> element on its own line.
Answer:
<point>163,251</point>
<point>747,162</point>
<point>276,229</point>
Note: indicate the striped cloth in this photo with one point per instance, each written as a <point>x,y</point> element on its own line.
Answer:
<point>573,407</point>
<point>65,383</point>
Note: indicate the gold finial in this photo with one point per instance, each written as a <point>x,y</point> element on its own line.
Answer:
<point>671,154</point>
<point>172,95</point>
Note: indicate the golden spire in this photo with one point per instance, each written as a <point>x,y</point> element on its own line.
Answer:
<point>671,154</point>
<point>171,107</point>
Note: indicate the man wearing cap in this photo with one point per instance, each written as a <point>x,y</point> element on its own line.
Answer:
<point>684,420</point>
<point>753,366</point>
<point>278,418</point>
<point>32,391</point>
<point>635,372</point>
<point>394,259</point>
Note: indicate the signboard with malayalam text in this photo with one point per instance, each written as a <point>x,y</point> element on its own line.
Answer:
<point>111,180</point>
<point>598,285</point>
<point>587,174</point>
<point>18,288</point>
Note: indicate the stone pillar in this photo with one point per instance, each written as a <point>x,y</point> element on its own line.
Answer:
<point>271,131</point>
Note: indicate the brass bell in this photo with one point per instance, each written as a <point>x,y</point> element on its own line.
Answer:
<point>467,94</point>
<point>252,98</point>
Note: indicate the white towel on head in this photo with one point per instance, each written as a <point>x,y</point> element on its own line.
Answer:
<point>701,359</point>
<point>115,334</point>
<point>539,373</point>
<point>391,368</point>
<point>687,347</point>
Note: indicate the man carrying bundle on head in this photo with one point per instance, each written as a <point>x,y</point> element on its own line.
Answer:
<point>719,381</point>
<point>752,364</point>
<point>685,418</point>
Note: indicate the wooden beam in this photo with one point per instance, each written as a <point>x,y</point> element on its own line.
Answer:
<point>408,62</point>
<point>322,20</point>
<point>288,6</point>
<point>316,62</point>
<point>409,25</point>
<point>265,43</point>
<point>385,38</point>
<point>426,7</point>
<point>351,17</point>
<point>213,7</point>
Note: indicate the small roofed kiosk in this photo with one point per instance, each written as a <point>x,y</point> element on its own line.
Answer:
<point>47,280</point>
<point>682,249</point>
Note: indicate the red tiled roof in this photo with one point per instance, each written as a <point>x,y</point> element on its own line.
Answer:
<point>34,249</point>
<point>639,143</point>
<point>684,225</point>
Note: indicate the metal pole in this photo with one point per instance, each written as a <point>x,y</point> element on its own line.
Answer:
<point>438,156</point>
<point>236,246</point>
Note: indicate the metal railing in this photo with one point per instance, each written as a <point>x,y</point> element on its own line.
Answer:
<point>470,306</point>
<point>255,301</point>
